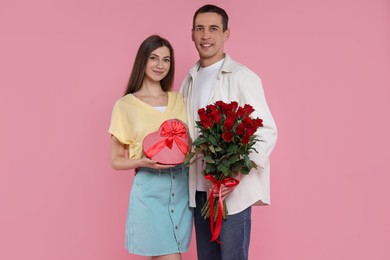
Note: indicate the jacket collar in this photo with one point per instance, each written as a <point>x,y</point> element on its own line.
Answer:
<point>228,66</point>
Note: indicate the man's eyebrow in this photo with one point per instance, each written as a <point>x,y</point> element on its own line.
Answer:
<point>210,26</point>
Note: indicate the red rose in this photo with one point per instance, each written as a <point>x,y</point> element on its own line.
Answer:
<point>230,114</point>
<point>240,130</point>
<point>248,109</point>
<point>251,131</point>
<point>240,112</point>
<point>234,106</point>
<point>227,136</point>
<point>229,123</point>
<point>211,108</point>
<point>222,106</point>
<point>205,121</point>
<point>201,111</point>
<point>258,122</point>
<point>247,121</point>
<point>245,139</point>
<point>203,117</point>
<point>215,116</point>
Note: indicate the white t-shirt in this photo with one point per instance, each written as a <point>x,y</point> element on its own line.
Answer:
<point>161,108</point>
<point>200,97</point>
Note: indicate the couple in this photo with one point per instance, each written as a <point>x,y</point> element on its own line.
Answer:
<point>159,221</point>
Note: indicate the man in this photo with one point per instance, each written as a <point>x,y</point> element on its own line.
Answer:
<point>217,77</point>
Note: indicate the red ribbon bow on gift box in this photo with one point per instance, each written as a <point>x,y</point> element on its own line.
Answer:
<point>173,131</point>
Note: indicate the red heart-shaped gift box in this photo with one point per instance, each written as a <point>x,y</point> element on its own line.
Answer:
<point>168,145</point>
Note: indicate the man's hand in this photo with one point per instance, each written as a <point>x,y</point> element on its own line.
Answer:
<point>225,191</point>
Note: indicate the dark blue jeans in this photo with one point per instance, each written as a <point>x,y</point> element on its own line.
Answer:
<point>235,234</point>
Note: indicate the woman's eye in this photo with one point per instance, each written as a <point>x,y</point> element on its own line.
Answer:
<point>167,60</point>
<point>152,58</point>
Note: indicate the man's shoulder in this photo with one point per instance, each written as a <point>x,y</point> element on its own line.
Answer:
<point>231,64</point>
<point>235,68</point>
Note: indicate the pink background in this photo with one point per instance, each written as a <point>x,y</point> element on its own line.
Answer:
<point>325,68</point>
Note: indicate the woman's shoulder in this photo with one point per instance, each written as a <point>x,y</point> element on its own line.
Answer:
<point>125,100</point>
<point>176,98</point>
<point>125,104</point>
<point>175,94</point>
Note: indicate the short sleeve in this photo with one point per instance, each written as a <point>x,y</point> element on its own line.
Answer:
<point>120,125</point>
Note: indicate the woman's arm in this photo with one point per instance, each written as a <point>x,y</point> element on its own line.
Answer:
<point>120,162</point>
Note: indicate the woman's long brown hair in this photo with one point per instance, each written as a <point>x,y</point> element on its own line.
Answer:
<point>138,72</point>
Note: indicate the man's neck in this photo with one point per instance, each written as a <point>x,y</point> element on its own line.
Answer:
<point>207,62</point>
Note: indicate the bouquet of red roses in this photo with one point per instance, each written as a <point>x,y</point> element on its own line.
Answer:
<point>226,138</point>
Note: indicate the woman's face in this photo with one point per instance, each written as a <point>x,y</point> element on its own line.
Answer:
<point>158,65</point>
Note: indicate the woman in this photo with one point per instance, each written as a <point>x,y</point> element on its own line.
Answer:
<point>159,221</point>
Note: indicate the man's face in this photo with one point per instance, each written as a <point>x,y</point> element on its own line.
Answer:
<point>209,37</point>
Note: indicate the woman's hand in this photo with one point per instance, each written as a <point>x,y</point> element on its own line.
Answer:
<point>146,162</point>
<point>120,162</point>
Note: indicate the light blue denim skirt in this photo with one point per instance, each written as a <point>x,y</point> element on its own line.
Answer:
<point>159,219</point>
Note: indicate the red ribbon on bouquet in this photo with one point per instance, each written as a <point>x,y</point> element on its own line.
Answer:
<point>170,132</point>
<point>229,182</point>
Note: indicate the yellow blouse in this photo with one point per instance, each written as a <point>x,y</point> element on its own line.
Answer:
<point>132,119</point>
